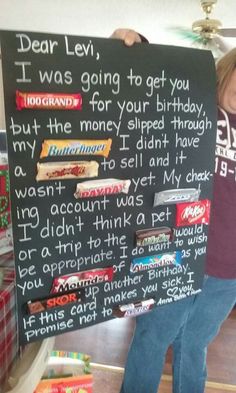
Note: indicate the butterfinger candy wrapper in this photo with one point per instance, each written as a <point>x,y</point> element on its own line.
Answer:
<point>81,279</point>
<point>154,261</point>
<point>95,188</point>
<point>193,213</point>
<point>74,147</point>
<point>66,170</point>
<point>145,237</point>
<point>48,101</point>
<point>174,196</point>
<point>55,301</point>
<point>134,309</point>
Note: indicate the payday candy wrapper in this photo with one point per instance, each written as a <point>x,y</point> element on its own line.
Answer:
<point>66,170</point>
<point>170,197</point>
<point>59,101</point>
<point>154,261</point>
<point>100,187</point>
<point>74,147</point>
<point>133,309</point>
<point>55,301</point>
<point>193,213</point>
<point>145,237</point>
<point>74,281</point>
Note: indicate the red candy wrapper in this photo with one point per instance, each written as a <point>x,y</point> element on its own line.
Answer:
<point>78,383</point>
<point>193,213</point>
<point>48,101</point>
<point>55,301</point>
<point>78,280</point>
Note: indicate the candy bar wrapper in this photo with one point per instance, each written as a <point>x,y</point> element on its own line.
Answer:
<point>48,101</point>
<point>154,261</point>
<point>193,213</point>
<point>145,237</point>
<point>134,309</point>
<point>170,197</point>
<point>74,147</point>
<point>55,301</point>
<point>95,188</point>
<point>78,384</point>
<point>66,170</point>
<point>86,278</point>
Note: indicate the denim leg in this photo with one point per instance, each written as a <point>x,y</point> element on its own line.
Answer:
<point>154,333</point>
<point>210,308</point>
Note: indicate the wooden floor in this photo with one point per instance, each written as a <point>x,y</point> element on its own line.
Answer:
<point>108,343</point>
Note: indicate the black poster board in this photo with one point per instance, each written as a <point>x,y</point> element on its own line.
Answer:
<point>157,104</point>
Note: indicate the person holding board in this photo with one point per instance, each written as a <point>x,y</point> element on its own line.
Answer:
<point>189,325</point>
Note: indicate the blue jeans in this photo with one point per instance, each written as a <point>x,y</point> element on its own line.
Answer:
<point>189,325</point>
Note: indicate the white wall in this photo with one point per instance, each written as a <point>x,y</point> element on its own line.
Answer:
<point>92,17</point>
<point>100,17</point>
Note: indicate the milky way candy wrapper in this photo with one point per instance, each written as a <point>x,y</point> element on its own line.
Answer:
<point>146,237</point>
<point>174,196</point>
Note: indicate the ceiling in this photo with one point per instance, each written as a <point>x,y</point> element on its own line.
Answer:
<point>153,18</point>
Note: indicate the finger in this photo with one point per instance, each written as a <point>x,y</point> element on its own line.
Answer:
<point>119,34</point>
<point>131,37</point>
<point>128,36</point>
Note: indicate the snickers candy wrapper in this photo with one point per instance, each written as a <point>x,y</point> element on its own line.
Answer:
<point>55,301</point>
<point>66,170</point>
<point>75,147</point>
<point>193,213</point>
<point>134,309</point>
<point>86,278</point>
<point>170,197</point>
<point>154,261</point>
<point>144,237</point>
<point>95,188</point>
<point>48,101</point>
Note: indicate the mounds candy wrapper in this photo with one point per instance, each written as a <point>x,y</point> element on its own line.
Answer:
<point>75,281</point>
<point>42,100</point>
<point>193,213</point>
<point>74,147</point>
<point>154,261</point>
<point>95,188</point>
<point>133,309</point>
<point>55,301</point>
<point>145,237</point>
<point>170,197</point>
<point>66,170</point>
